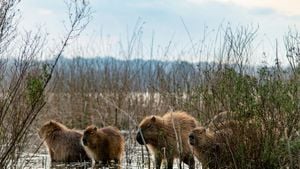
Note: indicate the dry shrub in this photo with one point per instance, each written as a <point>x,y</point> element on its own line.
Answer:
<point>24,79</point>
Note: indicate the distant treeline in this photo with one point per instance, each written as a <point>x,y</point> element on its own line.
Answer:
<point>105,74</point>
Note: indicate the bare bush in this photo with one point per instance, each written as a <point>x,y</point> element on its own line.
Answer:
<point>25,79</point>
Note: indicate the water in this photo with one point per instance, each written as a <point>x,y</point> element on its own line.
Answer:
<point>135,157</point>
<point>130,161</point>
<point>42,161</point>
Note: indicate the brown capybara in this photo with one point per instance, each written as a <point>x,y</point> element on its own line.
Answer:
<point>64,144</point>
<point>167,137</point>
<point>218,147</point>
<point>215,148</point>
<point>103,144</point>
<point>208,146</point>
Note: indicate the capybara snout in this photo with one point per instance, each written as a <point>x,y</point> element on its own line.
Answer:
<point>139,137</point>
<point>192,139</point>
<point>88,135</point>
<point>193,136</point>
<point>85,140</point>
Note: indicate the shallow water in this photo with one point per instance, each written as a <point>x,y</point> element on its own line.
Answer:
<point>135,157</point>
<point>132,161</point>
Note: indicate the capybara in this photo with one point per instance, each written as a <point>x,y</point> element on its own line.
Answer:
<point>221,146</point>
<point>64,144</point>
<point>167,137</point>
<point>210,147</point>
<point>103,144</point>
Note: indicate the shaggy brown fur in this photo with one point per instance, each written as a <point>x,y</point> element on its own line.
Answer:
<point>104,144</point>
<point>222,143</point>
<point>167,137</point>
<point>63,144</point>
<point>229,137</point>
<point>213,148</point>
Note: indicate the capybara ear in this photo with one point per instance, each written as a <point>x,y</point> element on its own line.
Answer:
<point>153,119</point>
<point>95,128</point>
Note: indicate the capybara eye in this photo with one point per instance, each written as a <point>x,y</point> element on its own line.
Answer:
<point>201,131</point>
<point>149,125</point>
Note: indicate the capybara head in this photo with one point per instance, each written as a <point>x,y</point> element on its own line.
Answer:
<point>48,128</point>
<point>90,136</point>
<point>200,136</point>
<point>148,131</point>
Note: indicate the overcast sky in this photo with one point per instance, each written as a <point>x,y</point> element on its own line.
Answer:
<point>164,21</point>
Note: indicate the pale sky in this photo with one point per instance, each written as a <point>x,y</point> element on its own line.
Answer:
<point>114,21</point>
